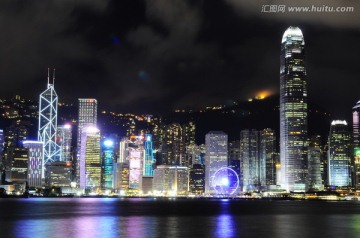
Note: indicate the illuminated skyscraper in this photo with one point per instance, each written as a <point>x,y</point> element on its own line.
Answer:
<point>48,104</point>
<point>339,154</point>
<point>108,160</point>
<point>293,111</point>
<point>149,160</point>
<point>64,138</point>
<point>314,169</point>
<point>123,150</point>
<point>36,170</point>
<point>249,154</point>
<point>90,161</point>
<point>172,148</point>
<point>87,117</point>
<point>121,177</point>
<point>216,157</point>
<point>135,158</point>
<point>267,157</point>
<point>356,136</point>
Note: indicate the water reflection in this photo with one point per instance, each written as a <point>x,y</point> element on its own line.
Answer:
<point>148,218</point>
<point>225,226</point>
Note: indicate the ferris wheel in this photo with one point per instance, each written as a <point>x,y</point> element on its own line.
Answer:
<point>225,181</point>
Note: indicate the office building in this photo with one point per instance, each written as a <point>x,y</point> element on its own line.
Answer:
<point>135,158</point>
<point>216,157</point>
<point>48,106</point>
<point>19,165</point>
<point>293,111</point>
<point>64,140</point>
<point>249,154</point>
<point>171,180</point>
<point>314,178</point>
<point>36,170</point>
<point>90,159</point>
<point>121,177</point>
<point>59,174</point>
<point>172,147</point>
<point>267,157</point>
<point>339,154</point>
<point>149,159</point>
<point>87,117</point>
<point>197,179</point>
<point>107,160</point>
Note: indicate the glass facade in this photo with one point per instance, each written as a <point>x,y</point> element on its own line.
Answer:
<point>108,160</point>
<point>135,154</point>
<point>249,154</point>
<point>87,117</point>
<point>149,160</point>
<point>267,157</point>
<point>216,157</point>
<point>339,154</point>
<point>64,138</point>
<point>293,111</point>
<point>90,161</point>
<point>172,147</point>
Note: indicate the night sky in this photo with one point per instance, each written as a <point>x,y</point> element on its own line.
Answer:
<point>158,55</point>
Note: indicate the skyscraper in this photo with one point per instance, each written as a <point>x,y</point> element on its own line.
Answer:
<point>314,169</point>
<point>35,163</point>
<point>87,117</point>
<point>249,154</point>
<point>293,111</point>
<point>339,154</point>
<point>356,136</point>
<point>135,158</point>
<point>149,159</point>
<point>90,162</point>
<point>107,160</point>
<point>172,148</point>
<point>48,105</point>
<point>267,157</point>
<point>64,138</point>
<point>216,156</point>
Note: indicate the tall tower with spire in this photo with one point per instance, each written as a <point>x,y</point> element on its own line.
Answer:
<point>293,111</point>
<point>48,105</point>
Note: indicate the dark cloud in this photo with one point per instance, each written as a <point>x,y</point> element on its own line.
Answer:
<point>156,55</point>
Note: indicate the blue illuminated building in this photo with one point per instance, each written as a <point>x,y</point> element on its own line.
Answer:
<point>108,159</point>
<point>339,154</point>
<point>149,159</point>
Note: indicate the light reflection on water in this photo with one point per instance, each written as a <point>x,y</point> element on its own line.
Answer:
<point>149,218</point>
<point>225,226</point>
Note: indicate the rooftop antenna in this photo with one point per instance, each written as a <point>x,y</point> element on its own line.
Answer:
<point>53,76</point>
<point>48,78</point>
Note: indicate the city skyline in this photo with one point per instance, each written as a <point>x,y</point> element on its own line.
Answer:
<point>181,118</point>
<point>134,57</point>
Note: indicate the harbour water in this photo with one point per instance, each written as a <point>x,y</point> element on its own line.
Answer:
<point>149,217</point>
